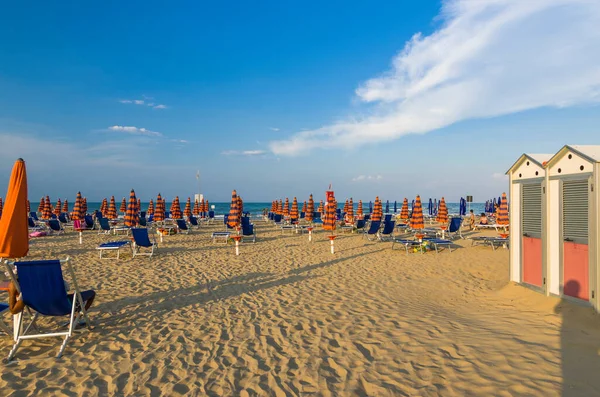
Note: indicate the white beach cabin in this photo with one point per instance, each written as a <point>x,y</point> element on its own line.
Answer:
<point>527,179</point>
<point>572,236</point>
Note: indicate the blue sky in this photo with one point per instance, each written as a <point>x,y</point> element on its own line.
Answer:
<point>280,99</point>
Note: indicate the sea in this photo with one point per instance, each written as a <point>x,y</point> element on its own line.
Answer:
<point>256,209</point>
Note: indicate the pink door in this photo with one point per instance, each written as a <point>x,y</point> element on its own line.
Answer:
<point>532,261</point>
<point>575,270</point>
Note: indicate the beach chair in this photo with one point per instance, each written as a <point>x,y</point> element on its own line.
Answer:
<point>278,219</point>
<point>387,218</point>
<point>89,222</point>
<point>42,289</point>
<point>387,232</point>
<point>372,230</point>
<point>31,224</point>
<point>220,236</point>
<point>141,239</point>
<point>454,228</point>
<point>142,222</point>
<point>439,243</point>
<point>194,222</point>
<point>104,226</point>
<point>407,244</point>
<point>360,225</point>
<point>211,216</point>
<point>112,246</point>
<point>182,227</point>
<point>55,226</point>
<point>33,215</point>
<point>142,214</point>
<point>63,218</point>
<point>248,230</point>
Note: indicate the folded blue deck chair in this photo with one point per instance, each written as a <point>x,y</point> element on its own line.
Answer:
<point>211,215</point>
<point>55,226</point>
<point>42,289</point>
<point>33,214</point>
<point>182,226</point>
<point>372,230</point>
<point>387,232</point>
<point>63,218</point>
<point>302,215</point>
<point>104,226</point>
<point>89,222</point>
<point>31,223</point>
<point>194,221</point>
<point>245,220</point>
<point>387,218</point>
<point>454,228</point>
<point>248,230</point>
<point>360,224</point>
<point>141,239</point>
<point>142,221</point>
<point>111,246</point>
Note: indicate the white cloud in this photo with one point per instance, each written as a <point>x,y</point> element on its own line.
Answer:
<point>160,107</point>
<point>138,101</point>
<point>133,130</point>
<point>179,141</point>
<point>489,58</point>
<point>367,177</point>
<point>125,101</point>
<point>274,129</point>
<point>243,152</point>
<point>143,102</point>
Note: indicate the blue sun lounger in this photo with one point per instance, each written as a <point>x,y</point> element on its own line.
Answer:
<point>112,246</point>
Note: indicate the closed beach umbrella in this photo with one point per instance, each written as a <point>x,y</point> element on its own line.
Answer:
<point>150,210</point>
<point>404,210</point>
<point>187,211</point>
<point>502,215</point>
<point>234,212</point>
<point>14,232</point>
<point>274,206</point>
<point>387,206</point>
<point>123,207</point>
<point>412,207</point>
<point>206,206</point>
<point>377,211</point>
<point>310,209</point>
<point>370,207</point>
<point>359,210</point>
<point>58,207</point>
<point>286,207</point>
<point>280,207</point>
<point>240,209</point>
<point>294,211</point>
<point>196,209</point>
<point>139,205</point>
<point>77,215</point>
<point>84,206</point>
<point>131,215</point>
<point>47,211</point>
<point>395,206</point>
<point>350,212</point>
<point>346,206</point>
<point>442,216</point>
<point>159,212</point>
<point>430,207</point>
<point>112,209</point>
<point>42,205</point>
<point>321,208</point>
<point>28,207</point>
<point>66,206</point>
<point>304,208</point>
<point>416,222</point>
<point>104,206</point>
<point>330,215</point>
<point>176,209</point>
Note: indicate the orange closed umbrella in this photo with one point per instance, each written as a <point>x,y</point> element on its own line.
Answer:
<point>66,206</point>
<point>42,205</point>
<point>104,206</point>
<point>442,216</point>
<point>286,207</point>
<point>232,219</point>
<point>150,210</point>
<point>359,210</point>
<point>84,207</point>
<point>175,209</point>
<point>404,210</point>
<point>196,210</point>
<point>159,212</point>
<point>139,205</point>
<point>78,214</point>
<point>310,209</point>
<point>350,211</point>
<point>294,211</point>
<point>131,215</point>
<point>502,215</point>
<point>377,210</point>
<point>112,209</point>
<point>330,215</point>
<point>123,207</point>
<point>28,207</point>
<point>240,209</point>
<point>58,208</point>
<point>304,208</point>
<point>321,208</point>
<point>187,211</point>
<point>47,211</point>
<point>14,233</point>
<point>416,222</point>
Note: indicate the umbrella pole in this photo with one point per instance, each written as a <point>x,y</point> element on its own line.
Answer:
<point>81,237</point>
<point>310,229</point>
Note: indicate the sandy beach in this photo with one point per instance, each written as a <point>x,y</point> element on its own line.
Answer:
<point>287,317</point>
